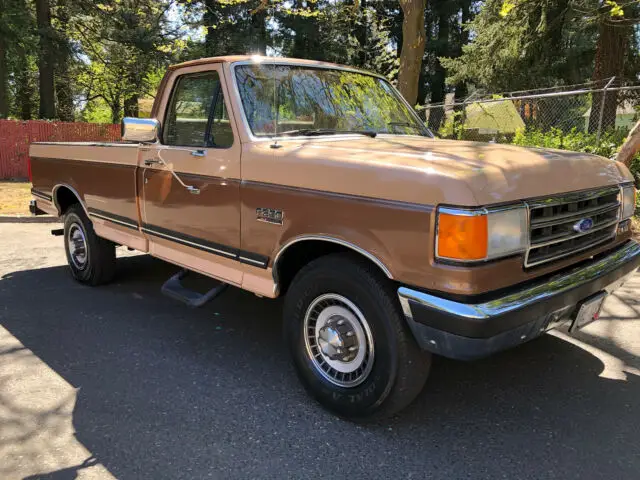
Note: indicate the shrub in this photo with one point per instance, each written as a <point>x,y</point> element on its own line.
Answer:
<point>578,141</point>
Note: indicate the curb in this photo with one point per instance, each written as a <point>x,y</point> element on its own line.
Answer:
<point>29,219</point>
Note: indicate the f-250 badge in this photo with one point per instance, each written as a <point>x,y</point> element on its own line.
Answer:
<point>269,215</point>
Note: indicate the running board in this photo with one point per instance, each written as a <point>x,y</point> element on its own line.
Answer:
<point>173,288</point>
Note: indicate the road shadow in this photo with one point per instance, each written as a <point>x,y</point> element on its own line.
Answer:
<point>169,392</point>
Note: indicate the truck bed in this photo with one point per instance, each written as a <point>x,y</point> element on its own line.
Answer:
<point>103,175</point>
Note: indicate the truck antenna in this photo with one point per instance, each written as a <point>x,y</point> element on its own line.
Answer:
<point>275,106</point>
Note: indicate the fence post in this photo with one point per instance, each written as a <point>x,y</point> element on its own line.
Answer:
<point>602,100</point>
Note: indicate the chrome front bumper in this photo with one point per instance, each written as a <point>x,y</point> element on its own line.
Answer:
<point>473,330</point>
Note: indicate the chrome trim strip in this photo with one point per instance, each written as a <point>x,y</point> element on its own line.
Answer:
<point>556,285</point>
<point>251,260</point>
<point>325,238</point>
<point>104,217</point>
<point>73,190</point>
<point>181,240</point>
<point>41,195</point>
<point>462,212</point>
<point>571,197</point>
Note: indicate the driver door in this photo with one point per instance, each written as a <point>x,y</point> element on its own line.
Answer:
<point>190,179</point>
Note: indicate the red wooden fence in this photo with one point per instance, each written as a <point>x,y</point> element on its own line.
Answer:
<point>15,137</point>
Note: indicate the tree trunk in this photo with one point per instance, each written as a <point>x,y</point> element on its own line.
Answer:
<point>461,88</point>
<point>45,60</point>
<point>24,86</point>
<point>64,92</point>
<point>115,110</point>
<point>630,147</point>
<point>4,81</point>
<point>611,51</point>
<point>131,106</point>
<point>438,90</point>
<point>259,32</point>
<point>208,18</point>
<point>413,41</point>
<point>362,33</point>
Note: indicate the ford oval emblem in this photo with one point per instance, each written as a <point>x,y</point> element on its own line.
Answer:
<point>583,225</point>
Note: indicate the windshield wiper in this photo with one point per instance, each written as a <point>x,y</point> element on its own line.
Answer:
<point>326,131</point>
<point>424,131</point>
<point>404,124</point>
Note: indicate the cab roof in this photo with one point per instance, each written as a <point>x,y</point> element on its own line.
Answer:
<point>255,58</point>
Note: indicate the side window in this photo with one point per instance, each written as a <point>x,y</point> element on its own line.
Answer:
<point>189,110</point>
<point>221,134</point>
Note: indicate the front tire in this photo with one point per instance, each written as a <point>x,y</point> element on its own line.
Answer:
<point>92,259</point>
<point>349,341</point>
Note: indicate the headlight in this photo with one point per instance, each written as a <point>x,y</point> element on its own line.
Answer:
<point>480,234</point>
<point>628,201</point>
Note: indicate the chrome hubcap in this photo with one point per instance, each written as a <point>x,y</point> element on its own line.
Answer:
<point>338,340</point>
<point>77,245</point>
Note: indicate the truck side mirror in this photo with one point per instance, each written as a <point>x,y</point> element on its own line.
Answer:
<point>144,130</point>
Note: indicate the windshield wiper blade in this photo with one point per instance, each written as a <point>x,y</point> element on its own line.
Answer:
<point>404,124</point>
<point>326,131</point>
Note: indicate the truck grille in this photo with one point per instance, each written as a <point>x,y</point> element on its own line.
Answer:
<point>554,231</point>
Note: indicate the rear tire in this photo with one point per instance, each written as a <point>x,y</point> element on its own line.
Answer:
<point>92,259</point>
<point>349,341</point>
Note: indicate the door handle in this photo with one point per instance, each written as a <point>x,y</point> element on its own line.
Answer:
<point>198,153</point>
<point>151,162</point>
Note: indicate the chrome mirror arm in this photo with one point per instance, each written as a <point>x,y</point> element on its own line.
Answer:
<point>190,188</point>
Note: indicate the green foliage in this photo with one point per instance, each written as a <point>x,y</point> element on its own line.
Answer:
<point>522,44</point>
<point>96,111</point>
<point>453,126</point>
<point>579,141</point>
<point>576,140</point>
<point>125,43</point>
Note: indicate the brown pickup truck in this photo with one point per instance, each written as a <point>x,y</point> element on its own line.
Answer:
<point>320,183</point>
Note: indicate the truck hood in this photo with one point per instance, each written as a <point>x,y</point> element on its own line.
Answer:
<point>432,171</point>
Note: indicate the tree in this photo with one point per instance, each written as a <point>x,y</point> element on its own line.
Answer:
<point>24,84</point>
<point>126,43</point>
<point>45,60</point>
<point>413,42</point>
<point>63,82</point>
<point>234,26</point>
<point>614,38</point>
<point>4,77</point>
<point>630,147</point>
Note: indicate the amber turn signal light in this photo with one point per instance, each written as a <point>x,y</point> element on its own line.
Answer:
<point>462,237</point>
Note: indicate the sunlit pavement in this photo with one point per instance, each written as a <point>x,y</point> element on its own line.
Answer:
<point>119,381</point>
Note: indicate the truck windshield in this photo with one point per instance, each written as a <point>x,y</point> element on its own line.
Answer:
<point>321,101</point>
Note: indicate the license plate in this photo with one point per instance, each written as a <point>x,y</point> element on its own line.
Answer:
<point>588,312</point>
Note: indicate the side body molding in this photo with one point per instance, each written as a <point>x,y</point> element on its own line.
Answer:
<point>324,238</point>
<point>54,196</point>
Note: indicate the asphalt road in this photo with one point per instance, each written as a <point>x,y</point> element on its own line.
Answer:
<point>119,381</point>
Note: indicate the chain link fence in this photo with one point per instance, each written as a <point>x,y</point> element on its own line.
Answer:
<point>594,116</point>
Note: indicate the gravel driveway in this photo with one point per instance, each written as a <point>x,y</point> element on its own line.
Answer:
<point>119,381</point>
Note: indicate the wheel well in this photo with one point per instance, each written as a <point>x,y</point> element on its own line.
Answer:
<point>296,256</point>
<point>64,198</point>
